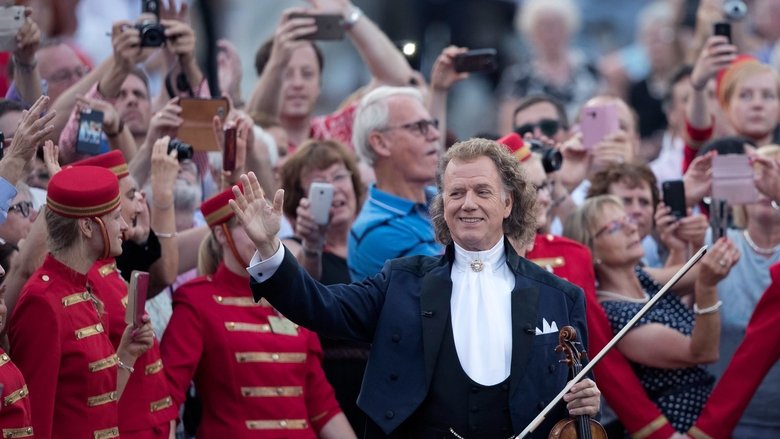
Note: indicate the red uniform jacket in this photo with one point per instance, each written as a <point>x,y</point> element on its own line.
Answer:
<point>146,407</point>
<point>258,375</point>
<point>61,346</point>
<point>758,352</point>
<point>616,380</point>
<point>15,415</point>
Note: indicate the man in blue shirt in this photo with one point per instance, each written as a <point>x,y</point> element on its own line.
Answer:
<point>16,157</point>
<point>395,134</point>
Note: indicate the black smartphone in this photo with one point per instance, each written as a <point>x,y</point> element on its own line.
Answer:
<point>330,27</point>
<point>674,197</point>
<point>229,154</point>
<point>722,28</point>
<point>477,60</point>
<point>90,132</point>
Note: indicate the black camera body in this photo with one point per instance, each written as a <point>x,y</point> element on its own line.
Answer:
<point>552,159</point>
<point>184,151</point>
<point>152,33</point>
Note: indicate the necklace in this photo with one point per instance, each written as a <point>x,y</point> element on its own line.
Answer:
<point>757,249</point>
<point>616,296</point>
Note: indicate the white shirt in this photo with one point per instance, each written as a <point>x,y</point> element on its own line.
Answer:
<point>481,309</point>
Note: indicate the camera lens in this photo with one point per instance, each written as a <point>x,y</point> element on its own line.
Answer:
<point>184,151</point>
<point>734,9</point>
<point>552,160</point>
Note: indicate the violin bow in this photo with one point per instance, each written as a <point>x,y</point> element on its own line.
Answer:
<point>680,273</point>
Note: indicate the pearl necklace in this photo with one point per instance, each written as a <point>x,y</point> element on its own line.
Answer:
<point>757,249</point>
<point>616,296</point>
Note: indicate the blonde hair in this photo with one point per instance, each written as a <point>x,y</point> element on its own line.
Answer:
<point>580,224</point>
<point>209,254</point>
<point>739,212</point>
<point>738,73</point>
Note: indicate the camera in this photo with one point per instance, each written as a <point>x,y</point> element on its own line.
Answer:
<point>734,10</point>
<point>551,157</point>
<point>184,151</point>
<point>152,33</point>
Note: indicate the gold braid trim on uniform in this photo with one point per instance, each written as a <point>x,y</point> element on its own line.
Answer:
<point>89,331</point>
<point>277,424</point>
<point>16,396</point>
<point>318,417</point>
<point>9,433</point>
<point>261,392</point>
<point>696,433</point>
<point>4,359</point>
<point>247,327</point>
<point>107,269</point>
<point>75,298</point>
<point>105,363</point>
<point>271,357</point>
<point>106,434</point>
<point>161,404</point>
<point>650,428</point>
<point>105,398</point>
<point>153,368</point>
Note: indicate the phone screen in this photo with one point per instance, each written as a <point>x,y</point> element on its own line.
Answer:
<point>90,135</point>
<point>674,197</point>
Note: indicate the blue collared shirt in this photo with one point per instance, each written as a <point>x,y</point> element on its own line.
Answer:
<point>7,193</point>
<point>389,227</point>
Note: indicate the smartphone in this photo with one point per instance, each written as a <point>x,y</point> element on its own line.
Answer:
<point>674,197</point>
<point>722,28</point>
<point>598,122</point>
<point>11,20</point>
<point>330,27</point>
<point>197,126</point>
<point>732,179</point>
<point>90,133</point>
<point>719,218</point>
<point>229,154</point>
<point>320,199</point>
<point>136,298</point>
<point>477,60</point>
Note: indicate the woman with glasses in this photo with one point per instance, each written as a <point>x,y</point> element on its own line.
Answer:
<point>670,345</point>
<point>322,250</point>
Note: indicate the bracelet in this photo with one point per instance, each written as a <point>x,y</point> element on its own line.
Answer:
<point>124,366</point>
<point>24,66</point>
<point>697,88</point>
<point>119,129</point>
<point>709,310</point>
<point>166,235</point>
<point>312,253</point>
<point>162,206</point>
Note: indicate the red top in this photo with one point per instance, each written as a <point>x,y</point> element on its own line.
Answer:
<point>613,374</point>
<point>758,352</point>
<point>15,417</point>
<point>61,346</point>
<point>334,126</point>
<point>259,372</point>
<point>694,139</point>
<point>146,402</point>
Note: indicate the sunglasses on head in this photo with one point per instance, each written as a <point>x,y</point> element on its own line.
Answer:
<point>548,127</point>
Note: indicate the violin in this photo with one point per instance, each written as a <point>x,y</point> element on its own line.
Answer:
<point>582,426</point>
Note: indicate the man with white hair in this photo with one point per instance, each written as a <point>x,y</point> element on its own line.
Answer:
<point>394,133</point>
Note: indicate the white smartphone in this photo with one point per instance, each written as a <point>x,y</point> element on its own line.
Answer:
<point>320,199</point>
<point>11,20</point>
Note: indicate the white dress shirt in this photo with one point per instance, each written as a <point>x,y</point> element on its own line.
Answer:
<point>481,308</point>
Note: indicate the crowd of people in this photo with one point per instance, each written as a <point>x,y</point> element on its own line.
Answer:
<point>419,293</point>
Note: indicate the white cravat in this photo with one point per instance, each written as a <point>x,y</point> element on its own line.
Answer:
<point>481,307</point>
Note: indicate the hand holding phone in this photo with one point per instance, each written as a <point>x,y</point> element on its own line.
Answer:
<point>320,200</point>
<point>197,116</point>
<point>722,28</point>
<point>90,132</point>
<point>330,27</point>
<point>136,298</point>
<point>597,122</point>
<point>674,197</point>
<point>11,20</point>
<point>478,60</point>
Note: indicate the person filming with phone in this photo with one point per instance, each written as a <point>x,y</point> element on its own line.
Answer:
<point>462,343</point>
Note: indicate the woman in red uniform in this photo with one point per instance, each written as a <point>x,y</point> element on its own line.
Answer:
<point>258,374</point>
<point>146,411</point>
<point>58,331</point>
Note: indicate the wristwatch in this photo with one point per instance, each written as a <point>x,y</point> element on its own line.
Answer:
<point>352,17</point>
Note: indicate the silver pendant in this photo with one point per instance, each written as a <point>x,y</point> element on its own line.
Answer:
<point>477,265</point>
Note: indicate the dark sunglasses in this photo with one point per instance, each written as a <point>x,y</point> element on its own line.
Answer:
<point>548,127</point>
<point>24,208</point>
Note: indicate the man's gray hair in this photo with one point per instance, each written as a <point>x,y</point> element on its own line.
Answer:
<point>372,114</point>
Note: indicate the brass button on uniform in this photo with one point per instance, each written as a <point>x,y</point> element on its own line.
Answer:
<point>283,423</point>
<point>45,278</point>
<point>275,357</point>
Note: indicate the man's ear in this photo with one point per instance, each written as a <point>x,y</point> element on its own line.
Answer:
<point>86,226</point>
<point>508,203</point>
<point>377,143</point>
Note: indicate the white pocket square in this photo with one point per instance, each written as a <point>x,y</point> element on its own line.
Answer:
<point>547,328</point>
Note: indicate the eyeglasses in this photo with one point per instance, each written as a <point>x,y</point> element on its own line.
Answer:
<point>548,127</point>
<point>548,186</point>
<point>337,178</point>
<point>615,226</point>
<point>63,75</point>
<point>23,207</point>
<point>422,126</point>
